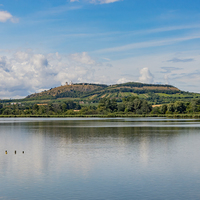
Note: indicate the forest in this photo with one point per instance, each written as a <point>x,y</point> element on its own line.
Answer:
<point>106,106</point>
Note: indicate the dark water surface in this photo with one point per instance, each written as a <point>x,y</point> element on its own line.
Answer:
<point>100,159</point>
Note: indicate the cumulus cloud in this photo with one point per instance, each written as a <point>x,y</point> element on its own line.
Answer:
<point>123,80</point>
<point>83,58</point>
<point>5,16</point>
<point>24,73</point>
<point>146,76</point>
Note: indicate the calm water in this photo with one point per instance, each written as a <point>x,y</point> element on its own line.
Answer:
<point>100,159</point>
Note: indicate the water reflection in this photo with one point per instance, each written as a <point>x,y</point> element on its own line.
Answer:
<point>78,159</point>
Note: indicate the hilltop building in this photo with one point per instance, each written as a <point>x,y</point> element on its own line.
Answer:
<point>70,83</point>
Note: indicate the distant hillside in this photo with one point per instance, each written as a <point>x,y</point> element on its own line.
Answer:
<point>72,91</point>
<point>92,93</point>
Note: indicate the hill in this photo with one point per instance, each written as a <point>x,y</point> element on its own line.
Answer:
<point>85,99</point>
<point>92,93</point>
<point>72,91</point>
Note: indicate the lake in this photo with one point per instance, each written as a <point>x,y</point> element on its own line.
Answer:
<point>99,159</point>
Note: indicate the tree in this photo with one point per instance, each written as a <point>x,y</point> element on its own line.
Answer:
<point>107,104</point>
<point>170,108</point>
<point>145,107</point>
<point>121,107</point>
<point>51,107</point>
<point>179,107</point>
<point>155,110</point>
<point>64,107</point>
<point>7,111</point>
<point>137,104</point>
<point>194,105</point>
<point>1,108</point>
<point>35,107</point>
<point>129,107</point>
<point>163,109</point>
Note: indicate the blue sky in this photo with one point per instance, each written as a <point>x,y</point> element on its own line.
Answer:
<point>45,43</point>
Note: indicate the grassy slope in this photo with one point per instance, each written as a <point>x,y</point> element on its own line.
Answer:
<point>58,91</point>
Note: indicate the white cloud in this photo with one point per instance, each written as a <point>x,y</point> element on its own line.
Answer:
<point>147,44</point>
<point>146,76</point>
<point>14,20</point>
<point>5,16</point>
<point>117,34</point>
<point>24,73</point>
<point>98,1</point>
<point>103,1</point>
<point>123,80</point>
<point>57,10</point>
<point>83,58</point>
<point>183,75</point>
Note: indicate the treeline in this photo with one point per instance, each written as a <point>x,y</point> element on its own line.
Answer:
<point>61,108</point>
<point>144,91</point>
<point>137,84</point>
<point>130,105</point>
<point>179,107</point>
<point>134,105</point>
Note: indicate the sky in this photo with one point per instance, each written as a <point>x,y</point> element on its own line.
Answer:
<point>45,43</point>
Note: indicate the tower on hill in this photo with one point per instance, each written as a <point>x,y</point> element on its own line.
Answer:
<point>70,83</point>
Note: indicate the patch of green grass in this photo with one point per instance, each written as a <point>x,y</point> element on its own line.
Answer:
<point>143,96</point>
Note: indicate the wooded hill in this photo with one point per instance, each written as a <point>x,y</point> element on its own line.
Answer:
<point>92,93</point>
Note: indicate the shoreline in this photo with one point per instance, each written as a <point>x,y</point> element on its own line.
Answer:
<point>105,116</point>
